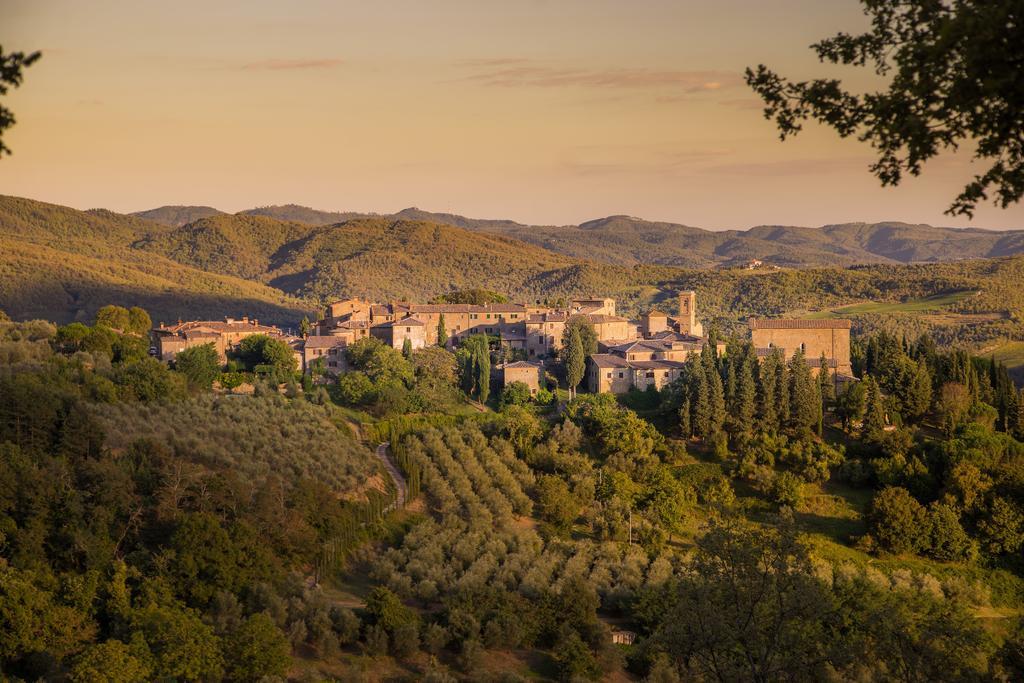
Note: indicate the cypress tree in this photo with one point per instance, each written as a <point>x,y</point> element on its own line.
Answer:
<point>874,414</point>
<point>575,362</point>
<point>407,348</point>
<point>767,393</point>
<point>781,390</point>
<point>716,392</point>
<point>745,401</point>
<point>825,383</point>
<point>483,366</point>
<point>700,399</point>
<point>442,333</point>
<point>805,402</point>
<point>684,419</point>
<point>304,327</point>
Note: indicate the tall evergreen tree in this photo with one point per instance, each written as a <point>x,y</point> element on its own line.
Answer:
<point>483,368</point>
<point>769,418</point>
<point>716,391</point>
<point>781,389</point>
<point>826,383</point>
<point>745,400</point>
<point>304,327</point>
<point>442,332</point>
<point>685,428</point>
<point>575,361</point>
<point>407,348</point>
<point>700,399</point>
<point>874,413</point>
<point>805,401</point>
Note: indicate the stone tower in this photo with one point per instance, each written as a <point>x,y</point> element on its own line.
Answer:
<point>652,322</point>
<point>688,314</point>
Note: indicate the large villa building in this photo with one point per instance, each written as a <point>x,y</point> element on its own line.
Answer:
<point>169,340</point>
<point>631,355</point>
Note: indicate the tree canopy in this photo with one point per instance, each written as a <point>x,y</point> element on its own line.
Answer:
<point>954,79</point>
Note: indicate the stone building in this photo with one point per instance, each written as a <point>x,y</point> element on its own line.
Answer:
<point>830,337</point>
<point>330,350</point>
<point>395,333</point>
<point>225,335</point>
<point>530,374</point>
<point>535,330</point>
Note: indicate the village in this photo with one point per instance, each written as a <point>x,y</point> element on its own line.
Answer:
<point>630,354</point>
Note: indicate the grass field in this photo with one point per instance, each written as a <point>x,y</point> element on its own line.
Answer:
<point>1011,354</point>
<point>926,305</point>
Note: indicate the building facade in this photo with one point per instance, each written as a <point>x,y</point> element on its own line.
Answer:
<point>828,337</point>
<point>225,335</point>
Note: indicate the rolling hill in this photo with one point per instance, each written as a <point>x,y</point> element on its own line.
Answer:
<point>63,264</point>
<point>176,216</point>
<point>629,241</point>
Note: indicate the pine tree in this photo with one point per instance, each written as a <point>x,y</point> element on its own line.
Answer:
<point>575,362</point>
<point>874,414</point>
<point>442,333</point>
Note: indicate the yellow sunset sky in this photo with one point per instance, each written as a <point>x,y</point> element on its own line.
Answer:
<point>538,111</point>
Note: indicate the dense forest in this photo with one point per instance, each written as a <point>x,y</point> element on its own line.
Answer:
<point>750,521</point>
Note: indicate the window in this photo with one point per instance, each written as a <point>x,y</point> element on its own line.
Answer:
<point>408,329</point>
<point>650,373</point>
<point>621,375</point>
<point>609,375</point>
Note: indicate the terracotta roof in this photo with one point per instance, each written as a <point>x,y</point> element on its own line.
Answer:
<point>404,322</point>
<point>321,342</point>
<point>655,313</point>
<point>608,360</point>
<point>554,317</point>
<point>799,324</point>
<point>521,364</point>
<point>598,318</point>
<point>656,364</point>
<point>816,362</point>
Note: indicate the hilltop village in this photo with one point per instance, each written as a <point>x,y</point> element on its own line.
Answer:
<point>630,354</point>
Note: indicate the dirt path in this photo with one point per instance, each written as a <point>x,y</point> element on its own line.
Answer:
<point>401,488</point>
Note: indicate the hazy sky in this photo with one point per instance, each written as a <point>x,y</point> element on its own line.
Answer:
<point>540,111</point>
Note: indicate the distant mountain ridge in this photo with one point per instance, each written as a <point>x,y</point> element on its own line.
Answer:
<point>627,240</point>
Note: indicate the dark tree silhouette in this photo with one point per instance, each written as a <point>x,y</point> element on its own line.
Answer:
<point>956,75</point>
<point>11,76</point>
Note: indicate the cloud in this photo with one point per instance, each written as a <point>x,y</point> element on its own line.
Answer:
<point>522,73</point>
<point>791,167</point>
<point>292,64</point>
<point>595,161</point>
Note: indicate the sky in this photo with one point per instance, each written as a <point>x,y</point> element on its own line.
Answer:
<point>541,111</point>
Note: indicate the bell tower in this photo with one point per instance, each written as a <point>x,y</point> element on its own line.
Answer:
<point>688,314</point>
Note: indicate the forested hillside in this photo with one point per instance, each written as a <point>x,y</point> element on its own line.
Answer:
<point>63,264</point>
<point>628,241</point>
<point>749,521</point>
